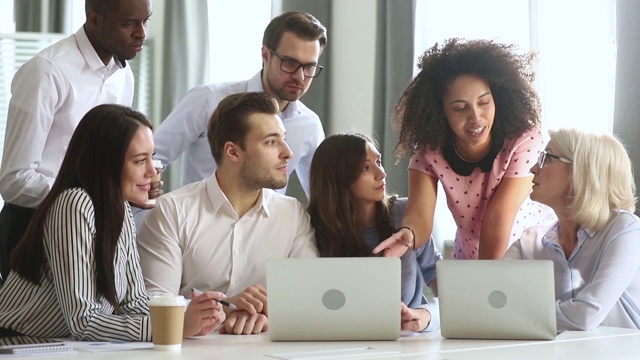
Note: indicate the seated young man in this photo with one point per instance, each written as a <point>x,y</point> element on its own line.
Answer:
<point>217,234</point>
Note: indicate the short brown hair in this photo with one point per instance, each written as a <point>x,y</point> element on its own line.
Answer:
<point>302,24</point>
<point>229,120</point>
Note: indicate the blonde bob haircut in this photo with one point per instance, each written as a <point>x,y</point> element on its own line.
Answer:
<point>602,182</point>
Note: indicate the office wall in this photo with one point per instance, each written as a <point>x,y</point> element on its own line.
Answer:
<point>352,66</point>
<point>626,123</point>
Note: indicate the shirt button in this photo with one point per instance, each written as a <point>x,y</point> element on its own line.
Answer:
<point>237,252</point>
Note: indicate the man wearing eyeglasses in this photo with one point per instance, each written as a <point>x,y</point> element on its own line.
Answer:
<point>292,44</point>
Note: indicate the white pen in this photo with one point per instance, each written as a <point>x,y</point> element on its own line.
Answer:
<point>223,302</point>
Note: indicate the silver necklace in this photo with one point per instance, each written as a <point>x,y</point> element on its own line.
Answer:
<point>455,148</point>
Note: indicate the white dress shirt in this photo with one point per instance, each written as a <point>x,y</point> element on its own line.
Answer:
<point>66,303</point>
<point>600,282</point>
<point>185,131</point>
<point>50,94</point>
<point>193,238</point>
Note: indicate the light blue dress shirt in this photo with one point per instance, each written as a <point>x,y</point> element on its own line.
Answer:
<point>599,284</point>
<point>185,131</point>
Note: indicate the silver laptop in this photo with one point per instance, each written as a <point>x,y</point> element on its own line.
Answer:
<point>497,299</point>
<point>315,299</point>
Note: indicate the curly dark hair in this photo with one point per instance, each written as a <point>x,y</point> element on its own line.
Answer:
<point>419,112</point>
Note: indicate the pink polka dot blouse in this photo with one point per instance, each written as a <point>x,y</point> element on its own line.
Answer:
<point>468,196</point>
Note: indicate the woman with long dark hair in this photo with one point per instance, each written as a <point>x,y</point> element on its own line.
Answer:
<point>352,213</point>
<point>76,272</point>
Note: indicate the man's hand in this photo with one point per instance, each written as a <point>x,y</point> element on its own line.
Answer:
<point>253,300</point>
<point>154,193</point>
<point>203,315</point>
<point>240,322</point>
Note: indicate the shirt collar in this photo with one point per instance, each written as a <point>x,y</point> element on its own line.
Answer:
<point>551,235</point>
<point>293,109</point>
<point>465,168</point>
<point>219,199</point>
<point>91,56</point>
<point>255,83</point>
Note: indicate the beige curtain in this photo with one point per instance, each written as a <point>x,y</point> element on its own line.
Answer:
<point>394,70</point>
<point>28,16</point>
<point>185,61</point>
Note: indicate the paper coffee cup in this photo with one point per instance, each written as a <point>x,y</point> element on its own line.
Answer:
<point>158,165</point>
<point>167,319</point>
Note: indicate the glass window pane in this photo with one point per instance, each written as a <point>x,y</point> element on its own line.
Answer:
<point>235,38</point>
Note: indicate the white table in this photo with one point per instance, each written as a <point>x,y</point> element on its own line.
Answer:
<point>601,343</point>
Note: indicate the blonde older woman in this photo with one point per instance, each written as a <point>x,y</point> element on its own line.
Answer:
<point>595,245</point>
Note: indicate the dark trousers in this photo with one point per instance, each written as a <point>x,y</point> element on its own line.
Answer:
<point>14,220</point>
<point>8,333</point>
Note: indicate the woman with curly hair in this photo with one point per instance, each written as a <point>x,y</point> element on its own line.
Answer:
<point>351,213</point>
<point>470,119</point>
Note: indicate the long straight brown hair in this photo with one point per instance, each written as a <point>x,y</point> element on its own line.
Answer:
<point>336,165</point>
<point>94,162</point>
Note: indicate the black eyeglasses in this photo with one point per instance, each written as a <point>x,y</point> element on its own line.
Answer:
<point>542,159</point>
<point>292,66</point>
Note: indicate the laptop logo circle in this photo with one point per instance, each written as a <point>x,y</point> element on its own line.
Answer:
<point>497,299</point>
<point>333,299</point>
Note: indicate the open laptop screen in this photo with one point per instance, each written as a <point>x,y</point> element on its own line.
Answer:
<point>334,299</point>
<point>496,299</point>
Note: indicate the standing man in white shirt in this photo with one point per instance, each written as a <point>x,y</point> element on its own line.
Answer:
<point>217,234</point>
<point>51,93</point>
<point>291,46</point>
